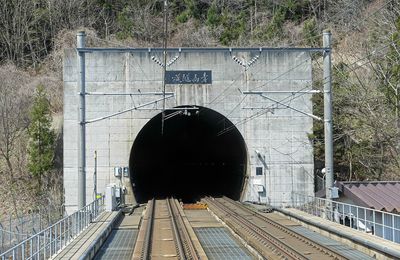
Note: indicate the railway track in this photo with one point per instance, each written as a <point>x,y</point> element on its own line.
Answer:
<point>163,233</point>
<point>271,239</point>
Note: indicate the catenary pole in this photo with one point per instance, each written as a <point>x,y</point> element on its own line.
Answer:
<point>95,176</point>
<point>327,43</point>
<point>164,62</point>
<point>82,128</point>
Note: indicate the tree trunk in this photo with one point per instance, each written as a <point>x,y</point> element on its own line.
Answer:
<point>12,186</point>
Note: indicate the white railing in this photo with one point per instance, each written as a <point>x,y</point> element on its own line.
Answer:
<point>53,239</point>
<point>379,223</point>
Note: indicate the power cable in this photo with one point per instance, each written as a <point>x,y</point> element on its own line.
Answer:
<point>240,75</point>
<point>267,109</point>
<point>281,49</point>
<point>359,21</point>
<point>354,68</point>
<point>264,84</point>
<point>287,47</point>
<point>366,57</point>
<point>308,38</point>
<point>264,110</point>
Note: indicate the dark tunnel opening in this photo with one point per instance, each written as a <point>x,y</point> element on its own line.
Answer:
<point>190,159</point>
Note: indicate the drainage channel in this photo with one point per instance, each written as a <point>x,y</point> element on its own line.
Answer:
<point>119,245</point>
<point>121,242</point>
<point>218,243</point>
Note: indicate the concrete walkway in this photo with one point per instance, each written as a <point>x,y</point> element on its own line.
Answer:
<point>369,244</point>
<point>89,238</point>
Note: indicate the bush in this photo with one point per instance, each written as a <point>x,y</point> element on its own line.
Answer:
<point>213,17</point>
<point>125,24</point>
<point>234,27</point>
<point>183,17</point>
<point>274,28</point>
<point>310,32</point>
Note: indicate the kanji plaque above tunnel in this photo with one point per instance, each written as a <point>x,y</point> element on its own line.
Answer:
<point>188,77</point>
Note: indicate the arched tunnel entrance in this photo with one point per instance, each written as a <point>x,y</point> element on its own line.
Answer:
<point>190,159</point>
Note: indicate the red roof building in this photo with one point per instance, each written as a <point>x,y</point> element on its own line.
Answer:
<point>379,195</point>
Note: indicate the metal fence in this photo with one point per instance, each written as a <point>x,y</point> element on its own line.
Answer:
<point>14,230</point>
<point>54,238</point>
<point>379,223</point>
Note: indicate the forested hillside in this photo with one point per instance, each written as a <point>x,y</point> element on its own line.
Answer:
<point>366,57</point>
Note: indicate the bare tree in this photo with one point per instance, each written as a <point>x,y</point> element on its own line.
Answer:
<point>14,105</point>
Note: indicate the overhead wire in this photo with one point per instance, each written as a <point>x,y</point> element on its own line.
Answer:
<point>262,85</point>
<point>271,80</point>
<point>360,21</point>
<point>366,57</point>
<point>241,74</point>
<point>356,62</point>
<point>257,87</point>
<point>267,109</point>
<point>281,49</point>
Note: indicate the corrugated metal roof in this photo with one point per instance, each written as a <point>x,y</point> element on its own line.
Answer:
<point>377,195</point>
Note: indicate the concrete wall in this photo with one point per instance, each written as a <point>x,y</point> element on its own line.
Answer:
<point>280,135</point>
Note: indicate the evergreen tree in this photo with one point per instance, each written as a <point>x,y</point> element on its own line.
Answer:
<point>42,137</point>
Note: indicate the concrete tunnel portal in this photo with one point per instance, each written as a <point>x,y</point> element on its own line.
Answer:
<point>190,158</point>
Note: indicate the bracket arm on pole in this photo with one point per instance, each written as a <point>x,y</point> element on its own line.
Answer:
<point>311,91</point>
<point>129,94</point>
<point>126,110</point>
<point>292,108</point>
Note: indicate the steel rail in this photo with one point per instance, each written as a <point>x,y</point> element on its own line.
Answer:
<point>285,229</point>
<point>177,236</point>
<point>283,247</point>
<point>146,252</point>
<point>288,251</point>
<point>190,251</point>
<point>182,242</point>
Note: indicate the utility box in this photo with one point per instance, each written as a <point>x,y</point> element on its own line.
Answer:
<point>118,172</point>
<point>119,196</point>
<point>126,172</point>
<point>334,192</point>
<point>117,192</point>
<point>110,199</point>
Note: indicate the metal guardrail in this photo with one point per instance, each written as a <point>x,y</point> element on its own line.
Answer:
<point>379,223</point>
<point>13,230</point>
<point>53,239</point>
